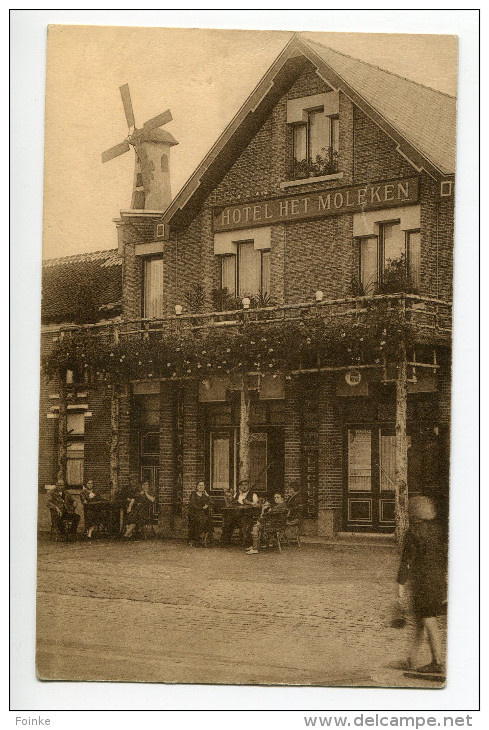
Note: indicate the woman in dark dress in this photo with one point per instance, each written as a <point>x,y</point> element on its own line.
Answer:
<point>138,510</point>
<point>199,515</point>
<point>424,564</point>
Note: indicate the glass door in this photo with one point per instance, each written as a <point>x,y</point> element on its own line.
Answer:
<point>222,462</point>
<point>359,482</point>
<point>371,479</point>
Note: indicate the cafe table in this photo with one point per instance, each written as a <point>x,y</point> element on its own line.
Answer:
<point>105,516</point>
<point>243,516</point>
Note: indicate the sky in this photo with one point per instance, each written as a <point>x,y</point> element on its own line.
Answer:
<point>202,76</point>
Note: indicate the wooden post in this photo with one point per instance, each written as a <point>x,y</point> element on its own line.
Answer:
<point>114,440</point>
<point>402,521</point>
<point>62,429</point>
<point>244,430</point>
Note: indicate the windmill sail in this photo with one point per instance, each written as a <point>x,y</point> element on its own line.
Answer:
<point>115,151</point>
<point>127,104</point>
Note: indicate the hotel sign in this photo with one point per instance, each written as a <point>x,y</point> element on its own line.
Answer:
<point>352,199</point>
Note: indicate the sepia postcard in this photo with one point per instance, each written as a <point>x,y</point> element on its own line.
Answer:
<point>245,398</point>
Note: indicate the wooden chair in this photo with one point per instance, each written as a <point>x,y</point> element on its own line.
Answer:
<point>150,521</point>
<point>293,531</point>
<point>273,529</point>
<point>55,533</point>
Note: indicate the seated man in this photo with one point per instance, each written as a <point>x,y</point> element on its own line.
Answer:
<point>233,519</point>
<point>138,510</point>
<point>245,494</point>
<point>63,506</point>
<point>245,498</point>
<point>278,506</point>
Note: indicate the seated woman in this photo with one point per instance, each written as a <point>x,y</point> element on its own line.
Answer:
<point>256,532</point>
<point>87,498</point>
<point>138,510</point>
<point>199,515</point>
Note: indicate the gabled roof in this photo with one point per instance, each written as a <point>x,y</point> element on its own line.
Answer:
<point>419,119</point>
<point>424,116</point>
<point>83,288</point>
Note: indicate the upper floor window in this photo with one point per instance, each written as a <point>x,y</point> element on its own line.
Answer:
<point>314,121</point>
<point>153,288</point>
<point>246,273</point>
<point>316,145</point>
<point>390,261</point>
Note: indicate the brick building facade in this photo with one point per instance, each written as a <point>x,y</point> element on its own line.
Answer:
<point>333,179</point>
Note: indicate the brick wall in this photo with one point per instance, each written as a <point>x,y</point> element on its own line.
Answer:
<point>167,443</point>
<point>292,431</point>
<point>375,155</point>
<point>97,441</point>
<point>315,254</point>
<point>124,440</point>
<point>193,453</point>
<point>48,427</point>
<point>330,446</point>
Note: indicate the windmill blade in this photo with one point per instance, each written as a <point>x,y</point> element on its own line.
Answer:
<point>127,104</point>
<point>115,151</point>
<point>158,121</point>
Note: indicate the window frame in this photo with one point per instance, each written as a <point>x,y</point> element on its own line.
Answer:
<point>72,440</point>
<point>416,281</point>
<point>381,261</point>
<point>381,245</point>
<point>237,264</point>
<point>330,146</point>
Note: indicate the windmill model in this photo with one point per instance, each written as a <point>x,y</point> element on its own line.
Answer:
<point>151,188</point>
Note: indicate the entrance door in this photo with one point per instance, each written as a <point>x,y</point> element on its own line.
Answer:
<point>149,470</point>
<point>266,460</point>
<point>222,449</point>
<point>370,479</point>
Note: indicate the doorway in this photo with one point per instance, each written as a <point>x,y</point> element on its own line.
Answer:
<point>370,478</point>
<point>266,460</point>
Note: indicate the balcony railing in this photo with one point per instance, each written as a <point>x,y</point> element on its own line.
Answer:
<point>428,315</point>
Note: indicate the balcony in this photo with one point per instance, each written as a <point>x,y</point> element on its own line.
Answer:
<point>327,334</point>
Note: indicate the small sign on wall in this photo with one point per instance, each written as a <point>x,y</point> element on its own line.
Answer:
<point>353,377</point>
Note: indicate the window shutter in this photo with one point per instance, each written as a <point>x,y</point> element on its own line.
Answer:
<point>153,288</point>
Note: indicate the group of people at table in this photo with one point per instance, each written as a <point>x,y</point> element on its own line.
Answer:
<point>244,511</point>
<point>130,511</point>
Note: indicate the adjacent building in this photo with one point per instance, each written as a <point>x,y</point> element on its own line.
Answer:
<point>324,213</point>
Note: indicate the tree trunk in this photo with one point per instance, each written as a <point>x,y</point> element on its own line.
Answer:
<point>114,441</point>
<point>244,431</point>
<point>62,430</point>
<point>402,521</point>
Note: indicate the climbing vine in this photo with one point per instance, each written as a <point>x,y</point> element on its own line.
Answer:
<point>274,346</point>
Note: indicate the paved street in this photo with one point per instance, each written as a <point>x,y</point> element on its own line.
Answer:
<point>160,611</point>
